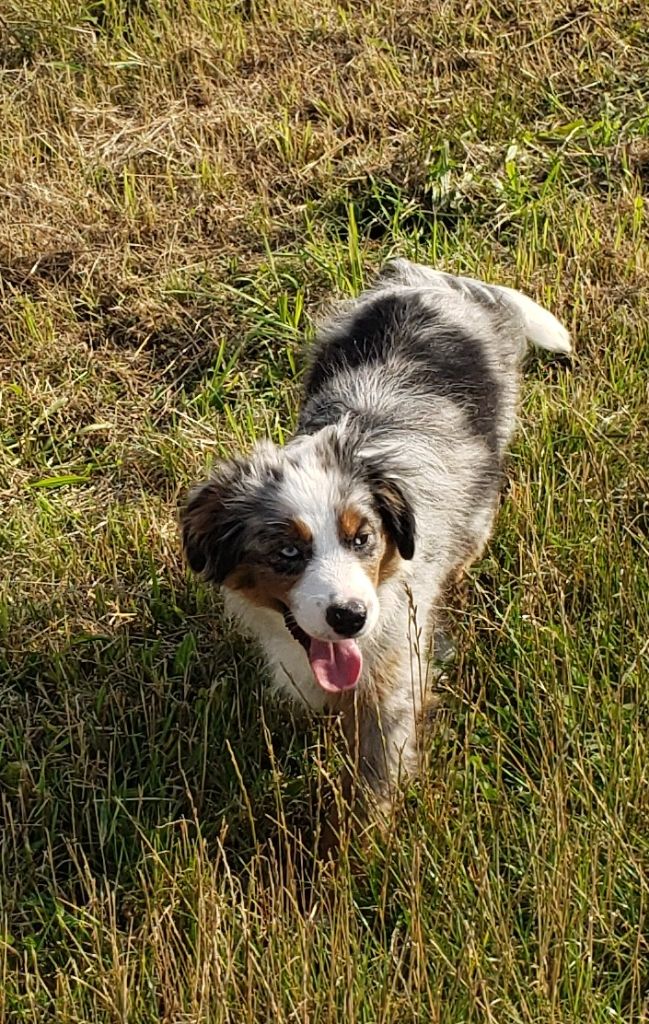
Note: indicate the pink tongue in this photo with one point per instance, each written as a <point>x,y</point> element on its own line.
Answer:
<point>336,666</point>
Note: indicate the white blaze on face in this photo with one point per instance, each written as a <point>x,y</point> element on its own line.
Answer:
<point>334,575</point>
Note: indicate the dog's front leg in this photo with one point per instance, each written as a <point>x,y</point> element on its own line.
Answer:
<point>379,748</point>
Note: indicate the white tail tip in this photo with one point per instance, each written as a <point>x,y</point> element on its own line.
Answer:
<point>541,327</point>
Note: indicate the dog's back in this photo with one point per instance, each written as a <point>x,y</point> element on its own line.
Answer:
<point>419,340</point>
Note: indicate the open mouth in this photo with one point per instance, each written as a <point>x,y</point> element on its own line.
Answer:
<point>336,666</point>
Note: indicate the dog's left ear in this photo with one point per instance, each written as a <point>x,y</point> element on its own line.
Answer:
<point>396,513</point>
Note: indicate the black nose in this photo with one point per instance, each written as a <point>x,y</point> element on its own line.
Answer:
<point>347,619</point>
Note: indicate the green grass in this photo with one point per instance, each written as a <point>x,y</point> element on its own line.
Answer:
<point>184,187</point>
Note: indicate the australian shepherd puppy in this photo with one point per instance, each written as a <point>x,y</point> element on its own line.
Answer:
<point>335,550</point>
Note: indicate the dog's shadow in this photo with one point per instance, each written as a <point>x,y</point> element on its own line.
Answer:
<point>116,747</point>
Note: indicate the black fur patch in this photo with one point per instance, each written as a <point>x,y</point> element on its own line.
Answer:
<point>441,358</point>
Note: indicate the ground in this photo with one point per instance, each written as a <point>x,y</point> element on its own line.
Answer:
<point>184,186</point>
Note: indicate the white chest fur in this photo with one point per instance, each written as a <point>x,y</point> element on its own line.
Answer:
<point>286,659</point>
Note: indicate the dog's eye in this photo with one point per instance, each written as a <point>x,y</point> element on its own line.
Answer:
<point>290,551</point>
<point>361,539</point>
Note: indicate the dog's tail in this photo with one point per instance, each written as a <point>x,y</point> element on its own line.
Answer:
<point>541,327</point>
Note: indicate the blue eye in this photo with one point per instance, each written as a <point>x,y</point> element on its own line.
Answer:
<point>290,551</point>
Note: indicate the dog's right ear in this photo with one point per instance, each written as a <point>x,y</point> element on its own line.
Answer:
<point>212,532</point>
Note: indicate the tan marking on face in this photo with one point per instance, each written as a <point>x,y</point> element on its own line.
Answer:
<point>350,521</point>
<point>384,562</point>
<point>261,586</point>
<point>371,564</point>
<point>389,562</point>
<point>302,530</point>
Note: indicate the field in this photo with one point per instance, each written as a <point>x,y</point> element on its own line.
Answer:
<point>184,186</point>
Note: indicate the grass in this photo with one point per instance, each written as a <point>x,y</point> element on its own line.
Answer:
<point>184,186</point>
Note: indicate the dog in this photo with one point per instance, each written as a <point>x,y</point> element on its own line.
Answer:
<point>335,550</point>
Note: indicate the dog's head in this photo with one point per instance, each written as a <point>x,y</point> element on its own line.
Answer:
<point>311,531</point>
